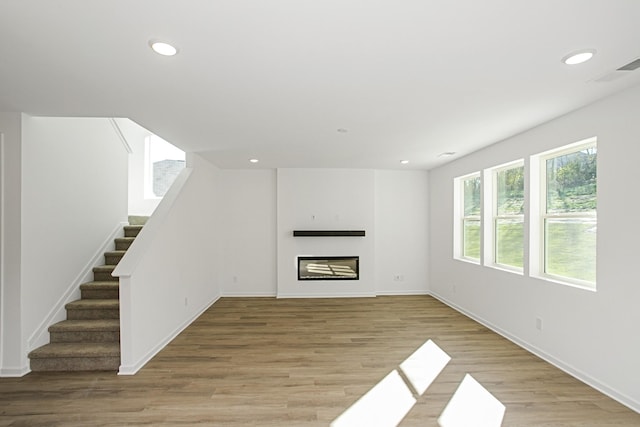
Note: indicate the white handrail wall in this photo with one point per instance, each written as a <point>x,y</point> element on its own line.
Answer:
<point>169,275</point>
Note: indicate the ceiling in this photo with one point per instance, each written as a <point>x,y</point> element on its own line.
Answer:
<point>276,80</point>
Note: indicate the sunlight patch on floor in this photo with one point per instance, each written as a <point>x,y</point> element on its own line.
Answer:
<point>386,404</point>
<point>472,405</point>
<point>424,365</point>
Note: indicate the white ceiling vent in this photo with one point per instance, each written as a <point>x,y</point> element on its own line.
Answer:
<point>620,72</point>
<point>633,65</point>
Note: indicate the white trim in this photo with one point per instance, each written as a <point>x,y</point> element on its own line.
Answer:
<point>14,372</point>
<point>228,294</point>
<point>567,368</point>
<point>134,368</point>
<point>121,136</point>
<point>2,234</point>
<point>403,292</point>
<point>320,295</point>
<point>58,312</point>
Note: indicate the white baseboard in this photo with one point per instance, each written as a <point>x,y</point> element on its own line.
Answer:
<point>14,372</point>
<point>574,372</point>
<point>403,292</point>
<point>132,369</point>
<point>348,295</point>
<point>248,294</point>
<point>58,313</point>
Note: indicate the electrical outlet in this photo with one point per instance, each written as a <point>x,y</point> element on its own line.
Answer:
<point>186,301</point>
<point>453,288</point>
<point>538,323</point>
<point>398,277</point>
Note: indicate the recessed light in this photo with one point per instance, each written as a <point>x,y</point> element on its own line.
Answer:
<point>404,162</point>
<point>447,154</point>
<point>254,160</point>
<point>578,57</point>
<point>163,48</point>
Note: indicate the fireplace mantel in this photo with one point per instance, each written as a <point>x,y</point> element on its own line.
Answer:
<point>328,233</point>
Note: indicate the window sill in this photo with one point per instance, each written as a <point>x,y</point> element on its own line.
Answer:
<point>506,269</point>
<point>468,260</point>
<point>583,286</point>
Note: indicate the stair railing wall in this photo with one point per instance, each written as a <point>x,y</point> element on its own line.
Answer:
<point>169,275</point>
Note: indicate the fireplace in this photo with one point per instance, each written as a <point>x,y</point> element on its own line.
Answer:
<point>328,268</point>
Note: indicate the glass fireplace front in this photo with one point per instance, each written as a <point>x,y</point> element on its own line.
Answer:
<point>328,267</point>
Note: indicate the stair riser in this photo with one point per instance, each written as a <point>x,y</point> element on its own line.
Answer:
<point>112,259</point>
<point>76,364</point>
<point>73,314</point>
<point>131,231</point>
<point>122,246</point>
<point>104,276</point>
<point>102,336</point>
<point>100,293</point>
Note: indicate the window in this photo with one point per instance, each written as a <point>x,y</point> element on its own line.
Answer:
<point>506,237</point>
<point>163,163</point>
<point>561,203</point>
<point>469,191</point>
<point>568,206</point>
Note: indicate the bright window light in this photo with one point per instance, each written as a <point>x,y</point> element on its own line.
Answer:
<point>163,163</point>
<point>424,365</point>
<point>386,404</point>
<point>472,405</point>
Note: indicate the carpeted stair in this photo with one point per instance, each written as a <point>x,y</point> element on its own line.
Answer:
<point>89,340</point>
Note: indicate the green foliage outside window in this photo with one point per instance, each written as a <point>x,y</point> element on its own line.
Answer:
<point>510,183</point>
<point>509,225</point>
<point>571,225</point>
<point>572,182</point>
<point>472,197</point>
<point>471,223</point>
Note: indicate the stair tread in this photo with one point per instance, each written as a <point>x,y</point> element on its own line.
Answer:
<point>90,304</point>
<point>138,219</point>
<point>100,284</point>
<point>125,239</point>
<point>59,350</point>
<point>86,325</point>
<point>108,267</point>
<point>115,253</point>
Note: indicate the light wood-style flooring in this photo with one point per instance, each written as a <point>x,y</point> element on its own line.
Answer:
<point>302,362</point>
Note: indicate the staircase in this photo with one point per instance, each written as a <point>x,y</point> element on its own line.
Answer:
<point>89,340</point>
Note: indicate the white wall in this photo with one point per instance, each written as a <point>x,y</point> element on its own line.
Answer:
<point>12,346</point>
<point>74,193</point>
<point>592,335</point>
<point>398,235</point>
<point>401,239</point>
<point>325,199</point>
<point>247,205</point>
<point>169,275</point>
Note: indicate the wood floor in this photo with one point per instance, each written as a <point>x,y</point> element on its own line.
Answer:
<point>302,362</point>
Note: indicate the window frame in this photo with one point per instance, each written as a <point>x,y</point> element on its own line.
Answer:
<point>491,200</point>
<point>539,265</point>
<point>461,218</point>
